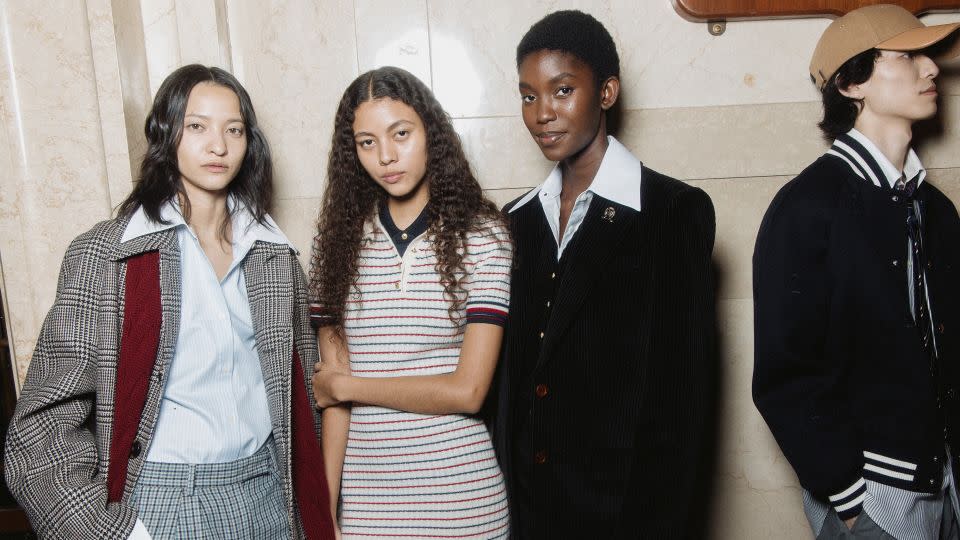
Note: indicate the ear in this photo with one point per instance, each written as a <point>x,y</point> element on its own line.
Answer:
<point>852,91</point>
<point>609,92</point>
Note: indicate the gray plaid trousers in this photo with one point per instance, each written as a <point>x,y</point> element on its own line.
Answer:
<point>240,500</point>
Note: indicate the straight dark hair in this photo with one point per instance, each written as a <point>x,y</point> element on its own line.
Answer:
<point>159,179</point>
<point>839,111</point>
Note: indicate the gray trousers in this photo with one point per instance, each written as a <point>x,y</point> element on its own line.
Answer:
<point>866,529</point>
<point>240,500</point>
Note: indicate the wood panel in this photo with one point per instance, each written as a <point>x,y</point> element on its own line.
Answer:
<point>704,10</point>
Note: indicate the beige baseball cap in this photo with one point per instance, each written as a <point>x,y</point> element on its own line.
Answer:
<point>883,26</point>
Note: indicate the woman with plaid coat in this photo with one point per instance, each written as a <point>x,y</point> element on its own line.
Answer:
<point>168,395</point>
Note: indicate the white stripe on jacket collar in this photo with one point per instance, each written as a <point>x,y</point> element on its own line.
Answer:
<point>246,230</point>
<point>911,165</point>
<point>618,178</point>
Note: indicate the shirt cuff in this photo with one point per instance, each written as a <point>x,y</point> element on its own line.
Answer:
<point>140,532</point>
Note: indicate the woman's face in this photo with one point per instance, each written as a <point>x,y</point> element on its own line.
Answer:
<point>214,140</point>
<point>391,143</point>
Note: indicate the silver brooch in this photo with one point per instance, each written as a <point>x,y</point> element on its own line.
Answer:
<point>609,213</point>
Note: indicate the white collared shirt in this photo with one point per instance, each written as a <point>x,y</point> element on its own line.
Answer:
<point>214,406</point>
<point>618,179</point>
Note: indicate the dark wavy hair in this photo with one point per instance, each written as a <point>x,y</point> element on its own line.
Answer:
<point>159,179</point>
<point>457,204</point>
<point>839,111</point>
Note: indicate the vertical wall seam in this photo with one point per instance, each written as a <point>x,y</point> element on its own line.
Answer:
<point>426,6</point>
<point>356,40</point>
<point>223,31</point>
<point>96,90</point>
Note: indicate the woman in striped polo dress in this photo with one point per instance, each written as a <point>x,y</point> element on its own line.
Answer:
<point>410,277</point>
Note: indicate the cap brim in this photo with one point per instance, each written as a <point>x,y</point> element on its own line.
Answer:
<point>921,38</point>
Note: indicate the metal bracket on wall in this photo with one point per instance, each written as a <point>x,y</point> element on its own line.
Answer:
<point>716,28</point>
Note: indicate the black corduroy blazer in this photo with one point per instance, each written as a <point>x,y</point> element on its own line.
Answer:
<point>840,373</point>
<point>612,403</point>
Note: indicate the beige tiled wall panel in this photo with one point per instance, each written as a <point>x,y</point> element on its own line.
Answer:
<point>755,495</point>
<point>394,34</point>
<point>55,177</point>
<point>295,59</point>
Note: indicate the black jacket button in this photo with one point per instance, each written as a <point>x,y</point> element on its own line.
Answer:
<point>135,449</point>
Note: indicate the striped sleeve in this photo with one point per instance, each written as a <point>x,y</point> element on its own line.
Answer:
<point>849,502</point>
<point>488,287</point>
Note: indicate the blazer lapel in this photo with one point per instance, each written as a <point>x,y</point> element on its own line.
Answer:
<point>269,281</point>
<point>596,241</point>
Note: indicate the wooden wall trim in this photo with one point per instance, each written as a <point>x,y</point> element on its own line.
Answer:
<point>709,10</point>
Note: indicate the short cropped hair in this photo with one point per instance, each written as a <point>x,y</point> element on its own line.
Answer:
<point>576,33</point>
<point>839,111</point>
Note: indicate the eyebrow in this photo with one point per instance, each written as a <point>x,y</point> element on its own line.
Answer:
<point>205,117</point>
<point>391,127</point>
<point>553,80</point>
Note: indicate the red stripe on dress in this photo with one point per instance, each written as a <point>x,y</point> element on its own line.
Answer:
<point>428,452</point>
<point>416,351</point>
<point>398,421</point>
<point>375,317</point>
<point>447,335</point>
<point>419,436</point>
<point>497,511</point>
<point>402,369</point>
<point>427,469</point>
<point>431,485</point>
<point>470,535</point>
<point>488,496</point>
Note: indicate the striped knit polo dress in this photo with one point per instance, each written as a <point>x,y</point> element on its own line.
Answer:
<point>409,475</point>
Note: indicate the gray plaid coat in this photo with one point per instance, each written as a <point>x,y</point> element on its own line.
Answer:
<point>58,444</point>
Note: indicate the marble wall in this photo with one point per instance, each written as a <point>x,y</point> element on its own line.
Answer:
<point>734,114</point>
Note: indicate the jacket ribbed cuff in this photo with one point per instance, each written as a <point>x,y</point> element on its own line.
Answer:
<point>849,502</point>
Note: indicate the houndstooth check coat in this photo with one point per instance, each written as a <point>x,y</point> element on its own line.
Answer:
<point>58,444</point>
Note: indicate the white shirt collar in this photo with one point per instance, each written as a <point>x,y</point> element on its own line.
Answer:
<point>246,230</point>
<point>911,165</point>
<point>618,178</point>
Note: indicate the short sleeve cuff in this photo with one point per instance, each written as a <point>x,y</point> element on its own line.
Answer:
<point>487,314</point>
<point>320,316</point>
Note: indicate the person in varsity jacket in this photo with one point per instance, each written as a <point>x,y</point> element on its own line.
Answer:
<point>609,357</point>
<point>856,295</point>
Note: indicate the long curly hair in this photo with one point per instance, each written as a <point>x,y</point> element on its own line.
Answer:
<point>457,204</point>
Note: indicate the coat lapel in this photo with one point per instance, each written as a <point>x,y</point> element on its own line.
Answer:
<point>596,241</point>
<point>269,282</point>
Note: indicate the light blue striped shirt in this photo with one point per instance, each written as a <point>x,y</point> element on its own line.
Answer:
<point>214,406</point>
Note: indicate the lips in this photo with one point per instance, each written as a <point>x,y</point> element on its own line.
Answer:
<point>932,90</point>
<point>392,177</point>
<point>216,167</point>
<point>549,138</point>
